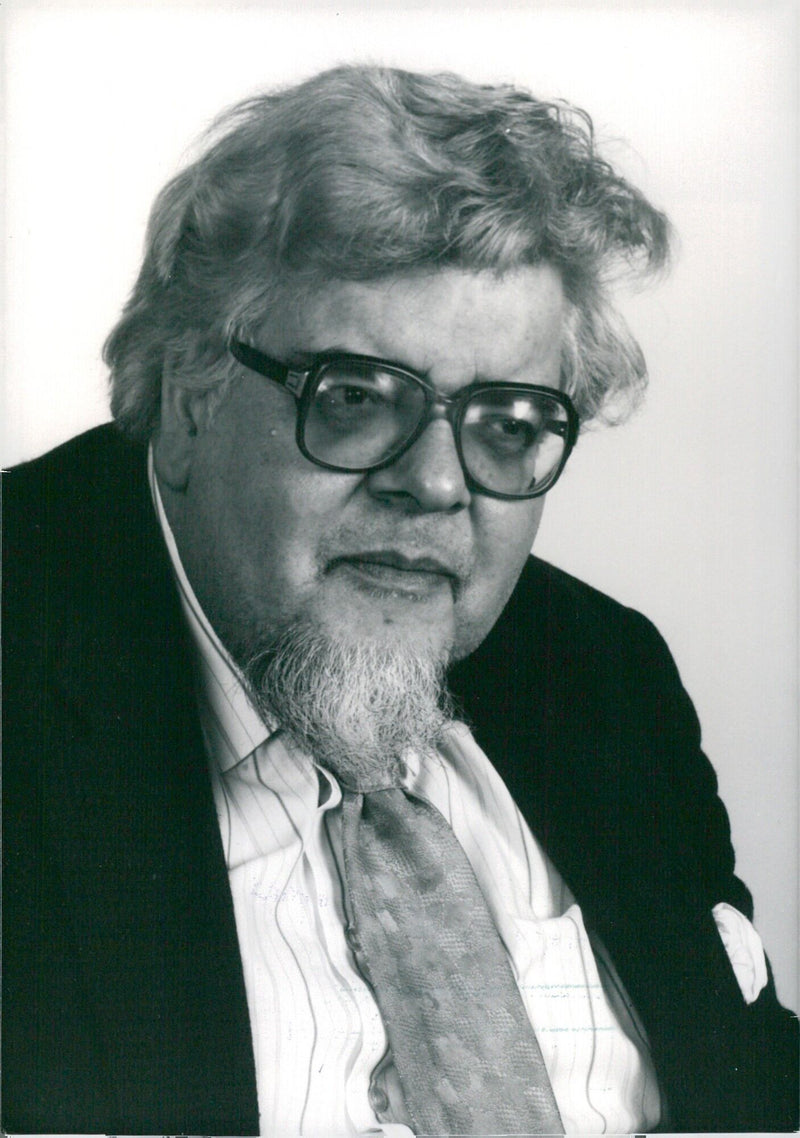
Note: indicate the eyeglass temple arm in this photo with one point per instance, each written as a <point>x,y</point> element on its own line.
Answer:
<point>255,360</point>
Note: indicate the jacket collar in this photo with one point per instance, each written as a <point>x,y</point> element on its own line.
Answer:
<point>130,805</point>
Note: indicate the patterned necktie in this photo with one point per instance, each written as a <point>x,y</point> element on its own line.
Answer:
<point>463,1046</point>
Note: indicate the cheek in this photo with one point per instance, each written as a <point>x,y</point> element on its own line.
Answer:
<point>255,514</point>
<point>269,491</point>
<point>285,523</point>
<point>505,533</point>
<point>280,522</point>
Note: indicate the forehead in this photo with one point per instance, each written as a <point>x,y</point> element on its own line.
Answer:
<point>452,325</point>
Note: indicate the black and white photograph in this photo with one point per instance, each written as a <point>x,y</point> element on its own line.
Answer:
<point>400,593</point>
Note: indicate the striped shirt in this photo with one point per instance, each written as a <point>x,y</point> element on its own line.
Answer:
<point>323,1065</point>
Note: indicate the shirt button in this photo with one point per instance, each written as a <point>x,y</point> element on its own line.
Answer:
<point>378,1099</point>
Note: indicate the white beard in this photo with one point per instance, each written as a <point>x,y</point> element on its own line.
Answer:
<point>354,707</point>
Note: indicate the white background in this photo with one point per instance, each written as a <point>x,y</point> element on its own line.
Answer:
<point>690,511</point>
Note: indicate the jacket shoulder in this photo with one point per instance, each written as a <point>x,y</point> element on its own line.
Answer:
<point>80,540</point>
<point>78,470</point>
<point>573,600</point>
<point>553,619</point>
<point>71,495</point>
<point>578,702</point>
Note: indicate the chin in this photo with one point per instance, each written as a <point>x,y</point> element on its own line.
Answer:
<point>417,630</point>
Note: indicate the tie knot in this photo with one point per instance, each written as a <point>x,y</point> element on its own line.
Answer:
<point>367,779</point>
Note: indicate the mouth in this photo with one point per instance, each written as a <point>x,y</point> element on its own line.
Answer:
<point>389,572</point>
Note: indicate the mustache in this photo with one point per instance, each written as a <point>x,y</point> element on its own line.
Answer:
<point>423,547</point>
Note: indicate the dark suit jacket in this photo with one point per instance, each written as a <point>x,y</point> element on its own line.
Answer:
<point>124,1003</point>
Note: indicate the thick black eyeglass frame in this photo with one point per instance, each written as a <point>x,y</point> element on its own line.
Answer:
<point>302,384</point>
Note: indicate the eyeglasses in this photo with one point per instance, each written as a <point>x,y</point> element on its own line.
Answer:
<point>356,414</point>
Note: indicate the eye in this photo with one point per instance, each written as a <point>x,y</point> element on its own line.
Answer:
<point>341,394</point>
<point>346,403</point>
<point>354,397</point>
<point>505,433</point>
<point>518,429</point>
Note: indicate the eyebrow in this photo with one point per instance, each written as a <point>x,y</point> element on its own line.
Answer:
<point>305,361</point>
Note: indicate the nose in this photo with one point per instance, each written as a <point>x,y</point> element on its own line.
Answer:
<point>428,477</point>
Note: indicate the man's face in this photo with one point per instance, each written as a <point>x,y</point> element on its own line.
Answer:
<point>268,538</point>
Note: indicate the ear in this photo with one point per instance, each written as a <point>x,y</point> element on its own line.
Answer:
<point>183,415</point>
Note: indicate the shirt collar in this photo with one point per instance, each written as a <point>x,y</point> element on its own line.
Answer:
<point>231,725</point>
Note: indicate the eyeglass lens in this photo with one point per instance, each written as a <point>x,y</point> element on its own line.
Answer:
<point>359,416</point>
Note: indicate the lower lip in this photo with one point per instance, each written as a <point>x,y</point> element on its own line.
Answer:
<point>388,580</point>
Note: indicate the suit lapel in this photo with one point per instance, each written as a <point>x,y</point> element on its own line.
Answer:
<point>140,855</point>
<point>549,702</point>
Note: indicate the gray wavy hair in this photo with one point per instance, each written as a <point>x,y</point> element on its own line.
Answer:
<point>367,172</point>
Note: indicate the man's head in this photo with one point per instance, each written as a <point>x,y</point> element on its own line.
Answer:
<point>462,233</point>
<point>362,174</point>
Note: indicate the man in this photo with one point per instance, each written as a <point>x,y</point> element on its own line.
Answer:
<point>473,873</point>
